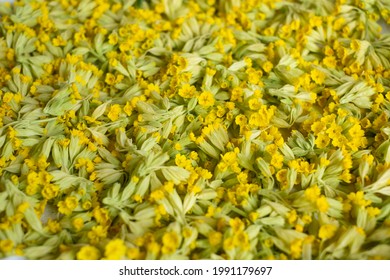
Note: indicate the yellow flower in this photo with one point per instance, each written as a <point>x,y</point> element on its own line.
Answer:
<point>355,131</point>
<point>23,207</point>
<point>53,226</point>
<point>97,233</point>
<point>237,225</point>
<point>6,245</point>
<point>228,244</point>
<point>355,45</point>
<point>358,199</point>
<point>157,195</point>
<point>71,202</point>
<point>281,176</point>
<point>296,248</point>
<point>101,215</point>
<point>346,176</point>
<point>110,79</point>
<point>241,240</point>
<point>128,109</point>
<point>236,94</point>
<point>324,162</point>
<point>88,253</point>
<point>154,248</point>
<point>78,223</point>
<point>322,141</point>
<point>267,66</point>
<point>68,205</point>
<point>115,249</point>
<point>322,204</point>
<point>206,99</point>
<point>327,231</point>
<point>115,111</point>
<point>373,211</point>
<point>133,253</point>
<point>277,160</point>
<point>292,217</point>
<point>312,193</point>
<point>330,62</point>
<point>187,91</point>
<point>50,191</point>
<point>215,238</point>
<point>33,178</point>
<point>7,97</point>
<point>170,242</point>
<point>113,39</point>
<point>334,130</point>
<point>317,76</point>
<point>58,41</point>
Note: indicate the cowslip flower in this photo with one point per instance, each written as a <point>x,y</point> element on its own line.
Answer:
<point>193,132</point>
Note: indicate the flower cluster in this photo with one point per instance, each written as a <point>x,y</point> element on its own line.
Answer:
<point>195,129</point>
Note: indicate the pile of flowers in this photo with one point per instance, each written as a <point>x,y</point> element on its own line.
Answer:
<point>195,129</point>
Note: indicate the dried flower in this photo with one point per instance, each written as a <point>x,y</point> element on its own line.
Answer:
<point>195,129</point>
